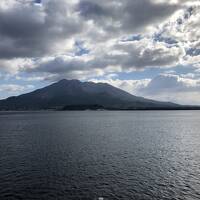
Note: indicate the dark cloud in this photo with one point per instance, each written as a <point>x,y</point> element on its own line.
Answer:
<point>29,30</point>
<point>127,16</point>
<point>38,1</point>
<point>90,10</point>
<point>146,12</point>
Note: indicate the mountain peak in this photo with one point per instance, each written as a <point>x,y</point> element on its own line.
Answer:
<point>68,81</point>
<point>62,81</point>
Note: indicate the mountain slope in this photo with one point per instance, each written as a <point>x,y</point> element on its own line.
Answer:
<point>73,92</point>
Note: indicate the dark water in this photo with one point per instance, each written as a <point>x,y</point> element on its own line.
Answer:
<point>86,155</point>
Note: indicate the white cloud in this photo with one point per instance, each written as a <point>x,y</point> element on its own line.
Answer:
<point>131,86</point>
<point>166,87</point>
<point>7,90</point>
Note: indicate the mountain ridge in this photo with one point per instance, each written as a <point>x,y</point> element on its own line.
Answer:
<point>74,93</point>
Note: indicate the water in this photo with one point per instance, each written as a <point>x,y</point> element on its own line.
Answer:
<point>86,155</point>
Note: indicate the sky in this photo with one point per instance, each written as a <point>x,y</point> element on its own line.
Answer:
<point>150,48</point>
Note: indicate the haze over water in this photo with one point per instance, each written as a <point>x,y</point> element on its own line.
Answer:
<point>85,155</point>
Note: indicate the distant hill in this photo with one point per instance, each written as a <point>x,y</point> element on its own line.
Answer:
<point>77,95</point>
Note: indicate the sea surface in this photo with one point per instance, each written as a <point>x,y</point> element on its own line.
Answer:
<point>140,155</point>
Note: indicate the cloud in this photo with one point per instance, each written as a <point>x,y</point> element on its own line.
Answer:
<point>127,16</point>
<point>167,87</point>
<point>119,56</point>
<point>170,83</point>
<point>7,90</point>
<point>52,28</point>
<point>146,53</point>
<point>131,86</point>
<point>29,30</point>
<point>88,39</point>
<point>164,87</point>
<point>183,31</point>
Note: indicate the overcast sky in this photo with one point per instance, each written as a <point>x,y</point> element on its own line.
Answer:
<point>149,48</point>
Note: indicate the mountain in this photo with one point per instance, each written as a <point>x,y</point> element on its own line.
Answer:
<point>74,94</point>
